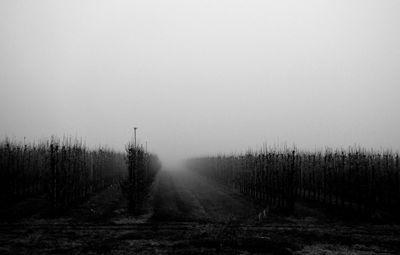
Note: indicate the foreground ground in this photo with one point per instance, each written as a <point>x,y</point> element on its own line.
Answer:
<point>188,214</point>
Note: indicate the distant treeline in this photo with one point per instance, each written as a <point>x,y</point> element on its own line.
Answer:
<point>355,179</point>
<point>65,171</point>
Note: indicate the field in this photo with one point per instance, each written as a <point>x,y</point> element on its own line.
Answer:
<point>194,210</point>
<point>199,127</point>
<point>355,181</point>
<point>188,214</point>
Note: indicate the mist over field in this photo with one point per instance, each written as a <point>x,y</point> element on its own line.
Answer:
<point>262,126</point>
<point>202,77</point>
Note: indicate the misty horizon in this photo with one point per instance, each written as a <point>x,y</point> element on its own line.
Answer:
<point>199,127</point>
<point>202,77</point>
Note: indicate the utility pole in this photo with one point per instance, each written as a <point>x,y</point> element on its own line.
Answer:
<point>134,182</point>
<point>135,134</point>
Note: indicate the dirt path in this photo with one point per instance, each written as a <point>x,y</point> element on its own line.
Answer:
<point>187,196</point>
<point>189,214</point>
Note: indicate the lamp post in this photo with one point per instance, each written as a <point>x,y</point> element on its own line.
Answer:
<point>135,134</point>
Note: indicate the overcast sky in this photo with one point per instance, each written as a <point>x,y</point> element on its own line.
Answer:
<point>202,77</point>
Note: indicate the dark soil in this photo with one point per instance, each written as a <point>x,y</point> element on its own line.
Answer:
<point>188,214</point>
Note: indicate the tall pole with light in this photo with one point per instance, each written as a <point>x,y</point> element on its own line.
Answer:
<point>135,135</point>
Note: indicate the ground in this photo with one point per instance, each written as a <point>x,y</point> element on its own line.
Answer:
<point>189,214</point>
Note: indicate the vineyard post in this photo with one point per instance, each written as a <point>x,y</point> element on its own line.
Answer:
<point>134,130</point>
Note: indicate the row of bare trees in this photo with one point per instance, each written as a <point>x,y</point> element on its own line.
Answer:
<point>62,171</point>
<point>142,169</point>
<point>355,179</point>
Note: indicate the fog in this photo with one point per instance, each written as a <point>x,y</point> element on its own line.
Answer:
<point>202,77</point>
